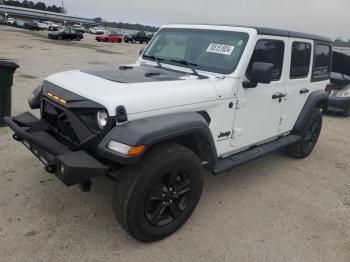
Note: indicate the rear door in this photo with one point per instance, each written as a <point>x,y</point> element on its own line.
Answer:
<point>258,113</point>
<point>299,60</point>
<point>309,70</point>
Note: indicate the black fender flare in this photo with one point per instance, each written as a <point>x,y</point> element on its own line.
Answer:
<point>154,130</point>
<point>317,99</point>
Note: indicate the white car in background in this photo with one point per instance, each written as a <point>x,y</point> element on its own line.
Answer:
<point>10,21</point>
<point>52,26</point>
<point>97,30</point>
<point>42,26</point>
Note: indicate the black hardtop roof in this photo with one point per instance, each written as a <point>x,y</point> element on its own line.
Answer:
<point>287,33</point>
<point>276,32</point>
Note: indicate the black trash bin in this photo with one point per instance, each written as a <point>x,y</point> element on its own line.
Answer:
<point>7,69</point>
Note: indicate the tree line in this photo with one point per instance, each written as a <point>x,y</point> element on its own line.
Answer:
<point>341,43</point>
<point>37,5</point>
<point>137,27</point>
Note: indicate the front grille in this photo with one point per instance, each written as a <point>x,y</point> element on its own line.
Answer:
<point>58,121</point>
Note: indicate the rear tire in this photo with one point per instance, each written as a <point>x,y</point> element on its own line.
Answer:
<point>59,38</point>
<point>155,197</point>
<point>309,136</point>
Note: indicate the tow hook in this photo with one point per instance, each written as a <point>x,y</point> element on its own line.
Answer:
<point>51,168</point>
<point>85,186</point>
<point>17,138</point>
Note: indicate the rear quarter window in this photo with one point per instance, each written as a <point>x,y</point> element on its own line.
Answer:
<point>322,62</point>
<point>300,60</point>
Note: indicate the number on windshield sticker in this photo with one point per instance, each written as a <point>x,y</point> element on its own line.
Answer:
<point>220,49</point>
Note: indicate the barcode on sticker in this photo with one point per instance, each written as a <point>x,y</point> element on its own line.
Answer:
<point>220,49</point>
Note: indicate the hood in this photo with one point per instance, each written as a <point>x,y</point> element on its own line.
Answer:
<point>135,74</point>
<point>138,89</point>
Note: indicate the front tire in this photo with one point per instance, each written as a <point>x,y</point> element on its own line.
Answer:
<point>155,197</point>
<point>309,136</point>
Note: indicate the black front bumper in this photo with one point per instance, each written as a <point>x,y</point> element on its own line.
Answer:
<point>69,166</point>
<point>339,105</point>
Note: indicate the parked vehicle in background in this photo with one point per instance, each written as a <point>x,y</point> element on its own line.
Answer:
<point>339,87</point>
<point>31,26</point>
<point>66,34</point>
<point>11,21</point>
<point>53,26</point>
<point>97,30</point>
<point>140,37</point>
<point>201,97</point>
<point>339,94</point>
<point>79,28</point>
<point>150,36</point>
<point>20,24</point>
<point>2,21</point>
<point>42,26</point>
<point>110,37</point>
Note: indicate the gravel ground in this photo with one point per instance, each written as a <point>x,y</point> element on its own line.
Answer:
<point>273,209</point>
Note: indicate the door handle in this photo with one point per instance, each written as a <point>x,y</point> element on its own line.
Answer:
<point>278,95</point>
<point>304,91</point>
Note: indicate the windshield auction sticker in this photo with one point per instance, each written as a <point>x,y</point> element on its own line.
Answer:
<point>220,49</point>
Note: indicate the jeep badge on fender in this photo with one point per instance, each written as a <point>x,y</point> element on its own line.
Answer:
<point>154,124</point>
<point>223,135</point>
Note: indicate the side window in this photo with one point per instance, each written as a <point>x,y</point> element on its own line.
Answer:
<point>269,51</point>
<point>300,62</point>
<point>322,62</point>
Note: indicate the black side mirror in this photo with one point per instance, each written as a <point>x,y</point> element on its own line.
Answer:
<point>260,73</point>
<point>141,51</point>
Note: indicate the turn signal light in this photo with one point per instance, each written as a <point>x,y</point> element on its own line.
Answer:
<point>135,150</point>
<point>58,99</point>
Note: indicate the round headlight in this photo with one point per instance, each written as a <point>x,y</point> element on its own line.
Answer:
<point>102,117</point>
<point>34,99</point>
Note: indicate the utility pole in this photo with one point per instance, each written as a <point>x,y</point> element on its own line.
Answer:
<point>62,7</point>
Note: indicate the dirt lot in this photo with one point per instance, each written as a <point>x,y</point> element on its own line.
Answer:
<point>273,209</point>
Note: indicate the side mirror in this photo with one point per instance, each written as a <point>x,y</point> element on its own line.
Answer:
<point>260,73</point>
<point>141,51</point>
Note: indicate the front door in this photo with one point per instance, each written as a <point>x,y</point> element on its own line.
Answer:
<point>259,109</point>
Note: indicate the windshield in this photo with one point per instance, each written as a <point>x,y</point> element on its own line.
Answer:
<point>207,50</point>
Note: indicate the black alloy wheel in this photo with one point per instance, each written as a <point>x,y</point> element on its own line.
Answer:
<point>312,135</point>
<point>309,136</point>
<point>168,198</point>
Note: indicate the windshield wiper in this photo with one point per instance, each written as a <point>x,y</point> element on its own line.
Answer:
<point>190,66</point>
<point>157,59</point>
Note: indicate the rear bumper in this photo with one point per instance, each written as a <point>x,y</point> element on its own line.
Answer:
<point>339,104</point>
<point>70,167</point>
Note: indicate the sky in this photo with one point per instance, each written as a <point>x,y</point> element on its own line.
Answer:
<point>323,17</point>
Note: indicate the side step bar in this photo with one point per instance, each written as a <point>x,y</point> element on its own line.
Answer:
<point>253,153</point>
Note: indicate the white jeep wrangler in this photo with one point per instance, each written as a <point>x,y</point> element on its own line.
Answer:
<point>199,96</point>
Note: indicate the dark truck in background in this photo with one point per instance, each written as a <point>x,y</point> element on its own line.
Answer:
<point>140,37</point>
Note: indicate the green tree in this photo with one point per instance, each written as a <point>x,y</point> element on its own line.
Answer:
<point>40,6</point>
<point>98,20</point>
